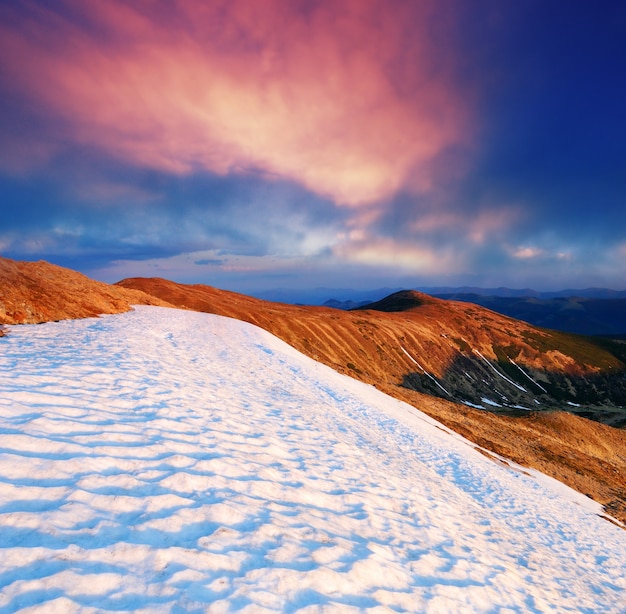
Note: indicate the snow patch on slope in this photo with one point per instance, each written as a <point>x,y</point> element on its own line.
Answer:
<point>424,371</point>
<point>168,461</point>
<point>504,377</point>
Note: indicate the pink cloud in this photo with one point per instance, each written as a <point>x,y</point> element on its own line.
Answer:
<point>527,253</point>
<point>351,99</point>
<point>397,255</point>
<point>488,224</point>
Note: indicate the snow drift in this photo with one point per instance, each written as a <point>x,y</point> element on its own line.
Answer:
<point>170,461</point>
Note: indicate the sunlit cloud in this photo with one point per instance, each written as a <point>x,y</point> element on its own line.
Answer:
<point>491,224</point>
<point>396,255</point>
<point>349,99</point>
<point>477,227</point>
<point>527,253</point>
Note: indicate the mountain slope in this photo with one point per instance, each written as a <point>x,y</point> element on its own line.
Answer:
<point>457,351</point>
<point>166,461</point>
<point>368,346</point>
<point>498,362</point>
<point>380,349</point>
<point>33,292</point>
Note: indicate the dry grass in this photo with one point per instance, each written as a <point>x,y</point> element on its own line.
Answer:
<point>33,292</point>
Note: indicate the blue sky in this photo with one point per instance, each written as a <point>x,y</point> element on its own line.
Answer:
<point>254,145</point>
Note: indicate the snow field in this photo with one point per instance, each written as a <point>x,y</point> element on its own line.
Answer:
<point>169,461</point>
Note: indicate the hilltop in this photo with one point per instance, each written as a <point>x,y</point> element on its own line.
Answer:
<point>404,300</point>
<point>34,292</point>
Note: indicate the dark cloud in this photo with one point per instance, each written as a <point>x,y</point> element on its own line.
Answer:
<point>84,210</point>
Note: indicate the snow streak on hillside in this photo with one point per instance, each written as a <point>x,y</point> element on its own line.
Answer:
<point>167,461</point>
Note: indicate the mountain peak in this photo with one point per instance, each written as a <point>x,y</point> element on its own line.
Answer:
<point>404,300</point>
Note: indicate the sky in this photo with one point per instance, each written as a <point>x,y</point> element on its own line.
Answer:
<point>259,144</point>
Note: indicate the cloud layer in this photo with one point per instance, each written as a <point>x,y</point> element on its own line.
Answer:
<point>422,142</point>
<point>347,98</point>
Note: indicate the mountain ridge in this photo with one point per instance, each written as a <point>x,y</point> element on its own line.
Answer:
<point>575,314</point>
<point>382,349</point>
<point>581,315</point>
<point>504,292</point>
<point>322,295</point>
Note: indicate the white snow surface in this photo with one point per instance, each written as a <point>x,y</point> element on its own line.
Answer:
<point>170,461</point>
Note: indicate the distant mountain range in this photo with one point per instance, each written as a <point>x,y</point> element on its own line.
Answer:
<point>321,295</point>
<point>572,314</point>
<point>336,297</point>
<point>594,311</point>
<point>600,293</point>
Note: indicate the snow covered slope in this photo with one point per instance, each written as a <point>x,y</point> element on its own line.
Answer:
<point>170,461</point>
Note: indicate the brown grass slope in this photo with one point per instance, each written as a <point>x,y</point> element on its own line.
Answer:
<point>367,344</point>
<point>468,353</point>
<point>33,292</point>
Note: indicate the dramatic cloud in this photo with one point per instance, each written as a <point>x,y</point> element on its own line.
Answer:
<point>348,98</point>
<point>395,255</point>
<point>291,142</point>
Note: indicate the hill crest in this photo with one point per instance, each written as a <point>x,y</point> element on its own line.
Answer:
<point>35,292</point>
<point>404,300</point>
<point>411,355</point>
